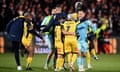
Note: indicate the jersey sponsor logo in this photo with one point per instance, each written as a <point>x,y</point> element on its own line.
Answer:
<point>79,28</point>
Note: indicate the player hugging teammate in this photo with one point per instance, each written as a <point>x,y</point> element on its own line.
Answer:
<point>69,47</point>
<point>71,39</point>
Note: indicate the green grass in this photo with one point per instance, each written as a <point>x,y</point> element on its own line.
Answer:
<point>106,63</point>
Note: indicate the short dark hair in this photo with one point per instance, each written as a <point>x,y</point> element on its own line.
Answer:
<point>52,9</point>
<point>81,10</point>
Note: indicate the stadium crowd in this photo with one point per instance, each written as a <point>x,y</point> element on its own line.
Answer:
<point>41,8</point>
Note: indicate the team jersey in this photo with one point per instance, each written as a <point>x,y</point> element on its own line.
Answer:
<point>82,29</point>
<point>93,28</point>
<point>45,22</point>
<point>58,40</point>
<point>69,26</point>
<point>58,33</point>
<point>91,32</point>
<point>70,41</point>
<point>27,36</point>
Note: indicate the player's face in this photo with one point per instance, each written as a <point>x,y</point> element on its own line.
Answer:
<point>81,14</point>
<point>58,9</point>
<point>53,11</point>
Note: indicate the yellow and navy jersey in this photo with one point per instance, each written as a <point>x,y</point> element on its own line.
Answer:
<point>69,26</point>
<point>27,36</point>
<point>27,28</point>
<point>58,33</point>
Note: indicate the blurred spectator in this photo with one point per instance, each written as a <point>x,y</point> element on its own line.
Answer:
<point>41,8</point>
<point>2,20</point>
<point>13,8</point>
<point>4,4</point>
<point>20,10</point>
<point>46,10</point>
<point>93,7</point>
<point>2,29</point>
<point>70,10</point>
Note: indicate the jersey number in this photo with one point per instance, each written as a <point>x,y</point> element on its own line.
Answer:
<point>68,28</point>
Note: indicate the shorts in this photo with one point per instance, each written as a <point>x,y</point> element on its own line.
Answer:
<point>83,46</point>
<point>91,36</point>
<point>27,42</point>
<point>59,47</point>
<point>70,45</point>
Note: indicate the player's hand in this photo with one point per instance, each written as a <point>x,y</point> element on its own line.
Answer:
<point>43,41</point>
<point>74,33</point>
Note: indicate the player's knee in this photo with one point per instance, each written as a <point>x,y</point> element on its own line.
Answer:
<point>84,54</point>
<point>79,54</point>
<point>60,56</point>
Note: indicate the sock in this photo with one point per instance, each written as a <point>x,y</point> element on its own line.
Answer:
<point>74,57</point>
<point>62,62</point>
<point>59,63</point>
<point>49,58</point>
<point>54,60</point>
<point>29,60</point>
<point>88,57</point>
<point>47,61</point>
<point>79,61</point>
<point>93,52</point>
<point>83,60</point>
<point>69,58</point>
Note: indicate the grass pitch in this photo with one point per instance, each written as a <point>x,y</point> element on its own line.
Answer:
<point>106,63</point>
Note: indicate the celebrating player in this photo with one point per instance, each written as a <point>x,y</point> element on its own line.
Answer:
<point>81,31</point>
<point>53,22</point>
<point>48,37</point>
<point>28,37</point>
<point>70,41</point>
<point>59,44</point>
